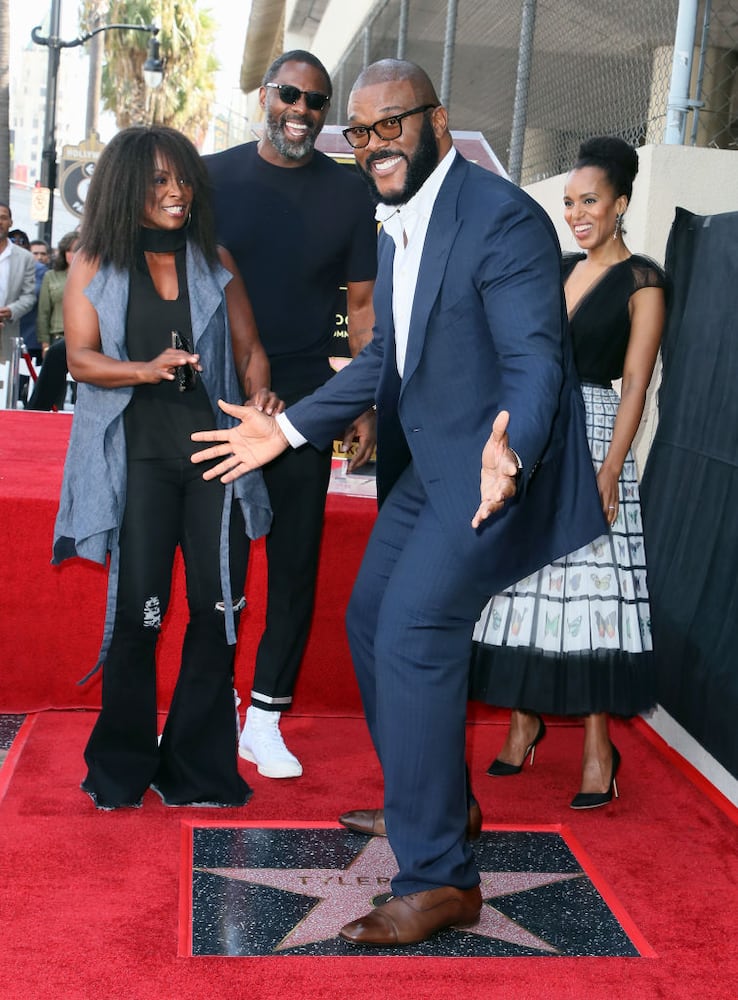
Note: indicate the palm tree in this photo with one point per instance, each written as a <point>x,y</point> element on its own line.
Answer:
<point>4,100</point>
<point>185,97</point>
<point>93,13</point>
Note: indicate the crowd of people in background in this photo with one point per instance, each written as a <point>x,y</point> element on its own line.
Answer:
<point>43,383</point>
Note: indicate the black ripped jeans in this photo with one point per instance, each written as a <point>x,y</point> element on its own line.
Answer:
<point>168,505</point>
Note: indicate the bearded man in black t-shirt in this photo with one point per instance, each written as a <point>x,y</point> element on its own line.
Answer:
<point>300,226</point>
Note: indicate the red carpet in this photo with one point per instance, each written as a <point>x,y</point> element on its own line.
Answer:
<point>90,901</point>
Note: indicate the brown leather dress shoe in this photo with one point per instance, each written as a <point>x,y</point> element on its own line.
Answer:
<point>371,822</point>
<point>413,918</point>
<point>367,821</point>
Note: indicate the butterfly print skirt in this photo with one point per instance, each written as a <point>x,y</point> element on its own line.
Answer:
<point>575,637</point>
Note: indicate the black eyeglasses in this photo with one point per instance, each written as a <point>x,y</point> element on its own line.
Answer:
<point>386,128</point>
<point>314,100</point>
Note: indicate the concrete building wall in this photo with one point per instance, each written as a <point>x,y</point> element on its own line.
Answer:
<point>29,70</point>
<point>28,104</point>
<point>337,29</point>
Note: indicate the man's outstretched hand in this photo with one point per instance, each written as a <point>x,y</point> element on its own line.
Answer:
<point>249,445</point>
<point>499,471</point>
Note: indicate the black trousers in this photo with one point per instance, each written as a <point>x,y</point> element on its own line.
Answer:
<point>297,482</point>
<point>50,388</point>
<point>169,504</point>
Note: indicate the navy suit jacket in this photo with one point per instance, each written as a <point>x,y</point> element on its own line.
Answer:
<point>488,332</point>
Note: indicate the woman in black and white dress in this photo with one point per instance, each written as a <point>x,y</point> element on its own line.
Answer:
<point>575,637</point>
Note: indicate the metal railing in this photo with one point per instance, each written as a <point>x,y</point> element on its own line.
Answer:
<point>10,372</point>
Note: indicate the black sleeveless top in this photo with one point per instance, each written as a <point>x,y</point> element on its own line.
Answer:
<point>160,418</point>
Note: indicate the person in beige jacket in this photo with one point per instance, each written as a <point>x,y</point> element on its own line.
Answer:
<point>17,283</point>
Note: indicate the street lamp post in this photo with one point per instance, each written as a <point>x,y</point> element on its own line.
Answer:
<point>153,70</point>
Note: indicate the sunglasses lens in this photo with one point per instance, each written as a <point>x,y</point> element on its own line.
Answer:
<point>315,100</point>
<point>289,94</point>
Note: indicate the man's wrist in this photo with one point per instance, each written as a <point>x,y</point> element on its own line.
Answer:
<point>288,429</point>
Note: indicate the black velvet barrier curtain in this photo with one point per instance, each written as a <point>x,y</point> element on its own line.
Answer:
<point>690,487</point>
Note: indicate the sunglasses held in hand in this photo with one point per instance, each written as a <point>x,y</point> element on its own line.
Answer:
<point>184,375</point>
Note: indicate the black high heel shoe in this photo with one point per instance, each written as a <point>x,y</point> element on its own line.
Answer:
<point>591,800</point>
<point>501,769</point>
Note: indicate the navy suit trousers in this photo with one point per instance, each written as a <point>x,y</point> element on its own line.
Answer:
<point>409,623</point>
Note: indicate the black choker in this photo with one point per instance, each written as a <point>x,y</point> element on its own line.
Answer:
<point>162,240</point>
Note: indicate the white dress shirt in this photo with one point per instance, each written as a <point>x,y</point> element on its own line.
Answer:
<point>5,272</point>
<point>407,226</point>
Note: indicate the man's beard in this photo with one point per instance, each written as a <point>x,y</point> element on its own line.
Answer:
<point>284,146</point>
<point>419,168</point>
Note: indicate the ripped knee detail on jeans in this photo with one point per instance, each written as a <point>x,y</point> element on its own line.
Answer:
<point>152,612</point>
<point>237,605</point>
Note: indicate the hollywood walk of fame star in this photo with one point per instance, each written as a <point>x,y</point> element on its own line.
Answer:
<point>346,894</point>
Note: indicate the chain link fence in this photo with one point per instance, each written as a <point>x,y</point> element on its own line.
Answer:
<point>714,119</point>
<point>577,68</point>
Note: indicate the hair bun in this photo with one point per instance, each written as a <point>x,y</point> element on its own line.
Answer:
<point>610,150</point>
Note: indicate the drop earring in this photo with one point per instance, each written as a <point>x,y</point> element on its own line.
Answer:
<point>618,225</point>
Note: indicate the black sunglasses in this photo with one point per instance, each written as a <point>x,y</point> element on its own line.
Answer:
<point>358,136</point>
<point>314,100</point>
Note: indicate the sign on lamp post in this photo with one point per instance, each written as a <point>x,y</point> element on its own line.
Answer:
<point>77,166</point>
<point>40,200</point>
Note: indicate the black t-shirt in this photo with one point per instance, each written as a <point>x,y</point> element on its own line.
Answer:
<point>297,235</point>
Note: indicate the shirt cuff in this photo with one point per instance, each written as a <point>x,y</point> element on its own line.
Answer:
<point>294,437</point>
<point>519,475</point>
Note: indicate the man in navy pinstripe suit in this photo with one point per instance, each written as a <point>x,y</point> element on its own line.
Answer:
<point>470,330</point>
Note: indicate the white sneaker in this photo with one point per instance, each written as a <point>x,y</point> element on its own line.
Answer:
<point>261,743</point>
